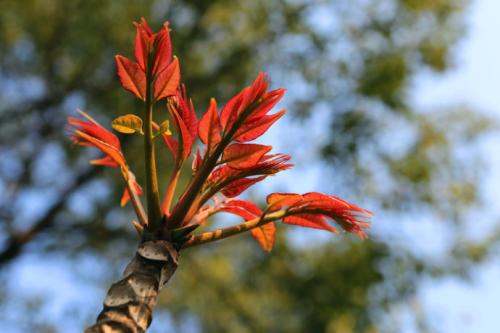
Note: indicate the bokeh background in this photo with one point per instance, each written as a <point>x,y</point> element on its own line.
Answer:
<point>393,104</point>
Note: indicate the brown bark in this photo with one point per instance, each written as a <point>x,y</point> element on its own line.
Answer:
<point>129,303</point>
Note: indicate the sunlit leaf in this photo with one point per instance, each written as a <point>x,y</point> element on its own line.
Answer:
<point>112,151</point>
<point>309,221</point>
<point>243,208</point>
<point>277,201</point>
<point>164,129</point>
<point>242,156</point>
<point>163,50</point>
<point>187,112</point>
<point>131,76</point>
<point>251,130</point>
<point>185,141</point>
<point>237,187</point>
<point>242,101</point>
<point>168,81</point>
<point>265,236</point>
<point>143,37</point>
<point>312,209</point>
<point>209,128</point>
<point>128,124</point>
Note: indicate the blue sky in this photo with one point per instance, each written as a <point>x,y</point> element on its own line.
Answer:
<point>455,305</point>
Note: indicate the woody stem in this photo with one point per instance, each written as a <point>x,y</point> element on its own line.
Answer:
<point>153,195</point>
<point>212,236</point>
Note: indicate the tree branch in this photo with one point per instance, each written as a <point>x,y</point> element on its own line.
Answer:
<point>212,236</point>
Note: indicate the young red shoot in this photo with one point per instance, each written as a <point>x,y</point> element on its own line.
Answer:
<point>225,162</point>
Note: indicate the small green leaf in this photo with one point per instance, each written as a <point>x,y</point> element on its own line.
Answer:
<point>164,129</point>
<point>128,124</point>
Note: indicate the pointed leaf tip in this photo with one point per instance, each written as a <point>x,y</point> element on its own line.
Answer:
<point>209,127</point>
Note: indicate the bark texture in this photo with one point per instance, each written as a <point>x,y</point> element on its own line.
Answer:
<point>129,303</point>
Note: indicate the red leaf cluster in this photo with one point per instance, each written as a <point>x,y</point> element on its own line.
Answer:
<point>157,49</point>
<point>185,121</point>
<point>227,163</point>
<point>245,116</point>
<point>233,181</point>
<point>313,209</point>
<point>90,133</point>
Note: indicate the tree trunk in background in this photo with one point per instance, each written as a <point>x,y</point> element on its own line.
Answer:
<point>129,303</point>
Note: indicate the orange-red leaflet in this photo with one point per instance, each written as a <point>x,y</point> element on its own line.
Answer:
<point>264,234</point>
<point>244,156</point>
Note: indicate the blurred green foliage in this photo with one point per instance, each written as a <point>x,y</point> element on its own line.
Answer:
<point>357,59</point>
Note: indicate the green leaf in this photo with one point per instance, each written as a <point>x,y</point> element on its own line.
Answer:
<point>164,129</point>
<point>128,124</point>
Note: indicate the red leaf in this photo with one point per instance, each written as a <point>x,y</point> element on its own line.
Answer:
<point>143,40</point>
<point>271,164</point>
<point>196,161</point>
<point>233,108</point>
<point>244,208</point>
<point>268,101</point>
<point>325,198</point>
<point>185,141</point>
<point>209,127</point>
<point>94,129</point>
<point>265,236</point>
<point>332,204</point>
<point>126,194</point>
<point>163,48</point>
<point>188,113</point>
<point>239,103</point>
<point>131,76</point>
<point>220,174</point>
<point>243,156</point>
<point>277,201</point>
<point>170,142</point>
<point>251,130</point>
<point>310,221</point>
<point>167,82</point>
<point>114,153</point>
<point>91,133</point>
<point>311,209</point>
<point>259,86</point>
<point>229,181</point>
<point>105,161</point>
<point>237,187</point>
<point>350,217</point>
<point>159,44</point>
